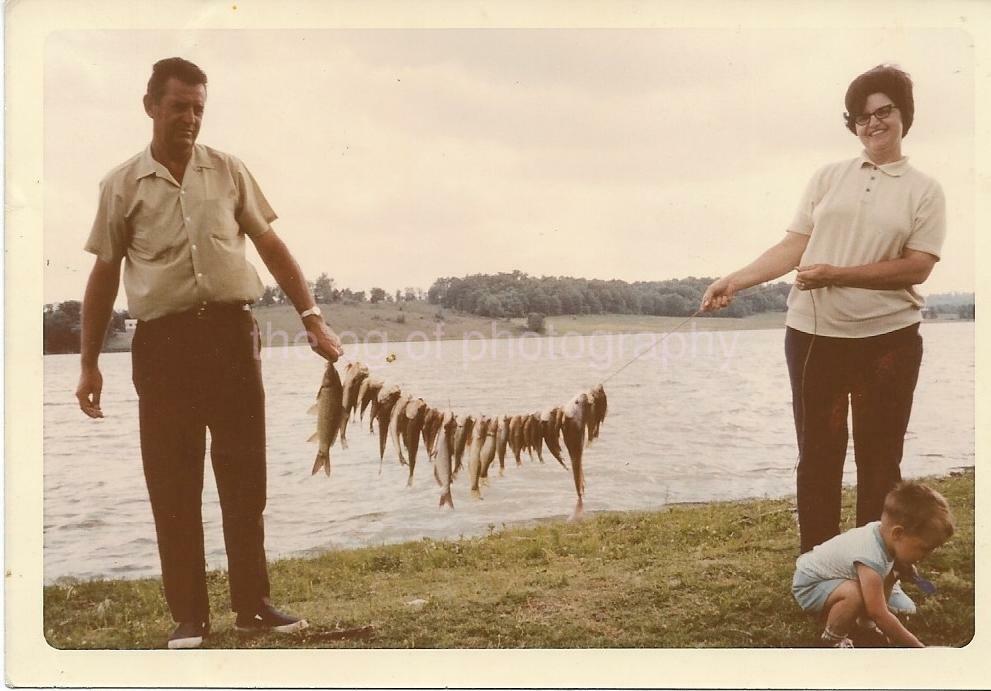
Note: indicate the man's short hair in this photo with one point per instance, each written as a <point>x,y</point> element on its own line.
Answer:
<point>181,69</point>
<point>889,80</point>
<point>920,510</point>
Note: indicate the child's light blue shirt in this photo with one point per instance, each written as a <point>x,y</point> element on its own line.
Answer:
<point>819,572</point>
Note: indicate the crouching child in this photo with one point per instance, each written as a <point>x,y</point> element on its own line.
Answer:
<point>847,580</point>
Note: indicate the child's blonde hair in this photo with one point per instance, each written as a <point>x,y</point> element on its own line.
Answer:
<point>920,510</point>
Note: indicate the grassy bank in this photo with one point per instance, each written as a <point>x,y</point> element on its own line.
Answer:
<point>714,575</point>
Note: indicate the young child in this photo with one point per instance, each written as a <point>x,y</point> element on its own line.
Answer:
<point>848,578</point>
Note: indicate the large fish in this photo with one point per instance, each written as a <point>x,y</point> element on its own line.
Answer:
<point>369,394</point>
<point>354,375</point>
<point>502,439</point>
<point>444,465</point>
<point>462,438</point>
<point>488,448</point>
<point>516,437</point>
<point>536,439</point>
<point>573,430</point>
<point>397,425</point>
<point>550,426</point>
<point>475,455</point>
<point>416,411</point>
<point>329,414</point>
<point>386,401</point>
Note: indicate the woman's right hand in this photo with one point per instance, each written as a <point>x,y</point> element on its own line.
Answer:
<point>718,295</point>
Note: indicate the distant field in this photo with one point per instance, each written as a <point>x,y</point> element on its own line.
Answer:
<point>355,323</point>
<point>388,323</point>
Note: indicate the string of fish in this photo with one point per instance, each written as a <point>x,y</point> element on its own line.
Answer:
<point>447,437</point>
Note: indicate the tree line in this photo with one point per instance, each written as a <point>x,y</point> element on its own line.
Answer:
<point>62,326</point>
<point>325,292</point>
<point>518,294</point>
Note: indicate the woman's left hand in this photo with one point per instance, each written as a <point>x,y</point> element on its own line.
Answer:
<point>815,276</point>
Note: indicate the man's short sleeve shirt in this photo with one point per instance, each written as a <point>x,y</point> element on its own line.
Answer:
<point>182,244</point>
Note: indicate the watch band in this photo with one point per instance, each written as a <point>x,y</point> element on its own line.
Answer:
<point>313,311</point>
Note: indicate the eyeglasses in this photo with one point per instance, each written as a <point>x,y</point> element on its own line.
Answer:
<point>881,114</point>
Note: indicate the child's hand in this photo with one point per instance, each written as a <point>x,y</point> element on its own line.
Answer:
<point>876,606</point>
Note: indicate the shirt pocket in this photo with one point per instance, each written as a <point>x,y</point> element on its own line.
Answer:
<point>156,231</point>
<point>216,219</point>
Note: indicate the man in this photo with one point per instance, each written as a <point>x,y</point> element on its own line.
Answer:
<point>177,214</point>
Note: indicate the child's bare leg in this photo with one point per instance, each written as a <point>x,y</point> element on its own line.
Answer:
<point>842,608</point>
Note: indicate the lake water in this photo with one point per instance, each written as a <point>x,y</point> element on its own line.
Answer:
<point>702,416</point>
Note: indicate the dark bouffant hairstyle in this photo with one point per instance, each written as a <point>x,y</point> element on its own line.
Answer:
<point>885,79</point>
<point>183,70</point>
<point>921,510</point>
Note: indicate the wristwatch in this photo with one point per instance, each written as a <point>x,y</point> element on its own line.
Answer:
<point>313,311</point>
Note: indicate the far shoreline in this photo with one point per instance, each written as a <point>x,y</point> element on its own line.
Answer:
<point>417,321</point>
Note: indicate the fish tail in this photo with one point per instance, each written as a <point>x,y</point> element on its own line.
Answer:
<point>322,461</point>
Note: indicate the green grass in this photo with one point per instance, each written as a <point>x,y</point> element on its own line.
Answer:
<point>714,575</point>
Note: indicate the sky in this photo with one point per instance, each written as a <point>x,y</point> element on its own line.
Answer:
<point>397,156</point>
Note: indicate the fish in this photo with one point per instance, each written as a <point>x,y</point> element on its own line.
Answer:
<point>386,400</point>
<point>416,411</point>
<point>462,437</point>
<point>443,466</point>
<point>527,424</point>
<point>536,440</point>
<point>329,414</point>
<point>550,427</point>
<point>397,425</point>
<point>488,448</point>
<point>431,428</point>
<point>573,431</point>
<point>502,440</point>
<point>369,395</point>
<point>516,437</point>
<point>475,455</point>
<point>354,375</point>
<point>601,404</point>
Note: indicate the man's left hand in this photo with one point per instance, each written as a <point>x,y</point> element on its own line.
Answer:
<point>815,276</point>
<point>323,341</point>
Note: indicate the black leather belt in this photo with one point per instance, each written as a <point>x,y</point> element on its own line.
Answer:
<point>205,312</point>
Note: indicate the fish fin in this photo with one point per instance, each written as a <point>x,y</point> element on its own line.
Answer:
<point>312,410</point>
<point>321,461</point>
<point>313,437</point>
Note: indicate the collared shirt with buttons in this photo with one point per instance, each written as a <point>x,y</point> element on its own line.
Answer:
<point>182,244</point>
<point>858,213</point>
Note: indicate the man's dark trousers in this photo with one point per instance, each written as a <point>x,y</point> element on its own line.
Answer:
<point>194,372</point>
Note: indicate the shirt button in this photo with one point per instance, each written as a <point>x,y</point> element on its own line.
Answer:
<point>194,247</point>
<point>187,219</point>
<point>199,275</point>
<point>868,189</point>
<point>182,191</point>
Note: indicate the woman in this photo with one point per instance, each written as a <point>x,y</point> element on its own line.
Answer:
<point>868,229</point>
